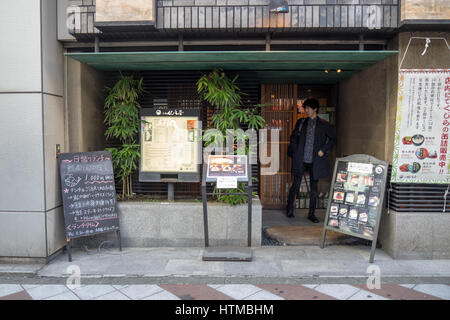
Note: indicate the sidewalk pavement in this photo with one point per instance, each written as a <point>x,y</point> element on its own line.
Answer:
<point>225,292</point>
<point>268,262</point>
<point>287,272</point>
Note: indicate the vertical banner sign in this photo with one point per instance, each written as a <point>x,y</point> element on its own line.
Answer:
<point>421,147</point>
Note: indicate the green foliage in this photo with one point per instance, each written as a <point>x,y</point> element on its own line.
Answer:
<point>225,96</point>
<point>226,196</point>
<point>123,123</point>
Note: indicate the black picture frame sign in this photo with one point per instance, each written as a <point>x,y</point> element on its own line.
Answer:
<point>356,199</point>
<point>89,195</point>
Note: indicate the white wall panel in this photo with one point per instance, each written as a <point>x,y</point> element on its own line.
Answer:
<point>52,51</point>
<point>20,56</point>
<point>21,153</point>
<point>53,135</point>
<point>22,234</point>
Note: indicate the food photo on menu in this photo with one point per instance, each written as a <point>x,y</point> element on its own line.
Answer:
<point>353,214</point>
<point>373,201</point>
<point>363,216</point>
<point>350,198</point>
<point>338,196</point>
<point>354,180</point>
<point>334,210</point>
<point>343,210</point>
<point>342,177</point>
<point>333,223</point>
<point>361,198</point>
<point>225,166</point>
<point>368,180</point>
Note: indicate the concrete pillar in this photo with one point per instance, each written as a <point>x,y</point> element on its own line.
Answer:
<point>31,125</point>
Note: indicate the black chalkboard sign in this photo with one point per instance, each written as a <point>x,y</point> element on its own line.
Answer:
<point>89,194</point>
<point>356,198</point>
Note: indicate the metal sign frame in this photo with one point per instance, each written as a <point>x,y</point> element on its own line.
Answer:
<point>175,176</point>
<point>363,159</point>
<point>248,179</point>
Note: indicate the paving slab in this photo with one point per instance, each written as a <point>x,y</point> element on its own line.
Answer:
<point>64,296</point>
<point>238,291</point>
<point>7,289</point>
<point>163,295</point>
<point>137,292</point>
<point>90,292</point>
<point>115,295</point>
<point>398,292</point>
<point>295,291</point>
<point>194,292</point>
<point>46,291</point>
<point>195,267</point>
<point>366,295</point>
<point>338,291</point>
<point>438,290</point>
<point>263,295</point>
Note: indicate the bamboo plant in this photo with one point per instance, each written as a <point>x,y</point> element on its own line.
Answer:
<point>225,96</point>
<point>123,123</point>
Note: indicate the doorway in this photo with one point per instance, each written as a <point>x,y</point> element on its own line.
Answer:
<point>281,110</point>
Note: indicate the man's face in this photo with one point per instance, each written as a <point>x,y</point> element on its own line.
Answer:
<point>310,112</point>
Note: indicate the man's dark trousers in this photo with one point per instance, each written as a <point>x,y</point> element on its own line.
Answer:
<point>313,187</point>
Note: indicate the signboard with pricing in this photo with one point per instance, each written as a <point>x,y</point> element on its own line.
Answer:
<point>88,193</point>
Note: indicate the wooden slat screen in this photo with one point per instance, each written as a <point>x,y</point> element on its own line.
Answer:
<point>180,90</point>
<point>279,114</point>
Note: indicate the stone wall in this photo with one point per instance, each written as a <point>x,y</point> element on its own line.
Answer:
<point>425,10</point>
<point>180,224</point>
<point>366,110</point>
<point>85,107</point>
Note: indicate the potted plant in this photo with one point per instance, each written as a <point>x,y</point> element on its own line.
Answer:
<point>224,95</point>
<point>123,123</point>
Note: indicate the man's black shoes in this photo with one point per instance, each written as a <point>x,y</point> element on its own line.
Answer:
<point>289,212</point>
<point>313,218</point>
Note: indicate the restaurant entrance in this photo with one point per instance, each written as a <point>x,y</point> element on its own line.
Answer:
<point>281,81</point>
<point>282,107</point>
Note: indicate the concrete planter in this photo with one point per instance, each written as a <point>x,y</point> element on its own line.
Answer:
<point>415,235</point>
<point>180,224</point>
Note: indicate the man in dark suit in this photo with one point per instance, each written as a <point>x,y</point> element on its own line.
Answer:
<point>311,140</point>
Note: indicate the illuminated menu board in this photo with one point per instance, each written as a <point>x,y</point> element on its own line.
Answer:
<point>170,142</point>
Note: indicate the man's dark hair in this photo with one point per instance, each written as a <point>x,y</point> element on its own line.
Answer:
<point>312,103</point>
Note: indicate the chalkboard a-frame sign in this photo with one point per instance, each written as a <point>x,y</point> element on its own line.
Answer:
<point>356,198</point>
<point>88,194</point>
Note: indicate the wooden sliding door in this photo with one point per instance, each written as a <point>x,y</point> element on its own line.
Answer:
<point>280,113</point>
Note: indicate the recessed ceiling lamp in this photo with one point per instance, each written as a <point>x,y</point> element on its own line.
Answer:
<point>326,71</point>
<point>338,70</point>
<point>278,6</point>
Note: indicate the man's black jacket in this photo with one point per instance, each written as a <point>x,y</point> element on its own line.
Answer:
<point>324,139</point>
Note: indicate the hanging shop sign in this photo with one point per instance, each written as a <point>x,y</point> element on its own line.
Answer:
<point>356,197</point>
<point>118,15</point>
<point>170,142</point>
<point>421,152</point>
<point>88,194</point>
